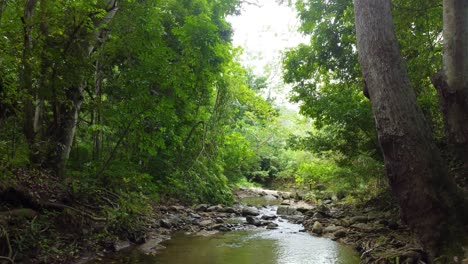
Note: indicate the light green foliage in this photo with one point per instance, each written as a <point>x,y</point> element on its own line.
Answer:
<point>418,26</point>
<point>327,82</point>
<point>326,79</point>
<point>360,177</point>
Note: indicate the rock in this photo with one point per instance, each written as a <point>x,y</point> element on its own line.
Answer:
<point>153,244</point>
<point>331,229</point>
<point>231,210</point>
<point>269,217</point>
<point>119,245</point>
<point>176,208</point>
<point>207,233</point>
<point>269,197</point>
<point>166,223</point>
<point>201,207</point>
<point>339,233</point>
<point>221,227</point>
<point>297,219</point>
<point>302,209</point>
<point>215,208</point>
<point>197,216</point>
<point>263,193</point>
<point>219,220</point>
<point>205,223</point>
<point>364,227</point>
<point>323,209</point>
<point>317,228</point>
<point>358,219</point>
<point>328,201</point>
<point>286,202</point>
<point>252,211</point>
<point>272,225</point>
<point>253,220</point>
<point>319,215</point>
<point>286,210</point>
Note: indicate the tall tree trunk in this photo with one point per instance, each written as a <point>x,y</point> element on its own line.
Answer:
<point>452,82</point>
<point>26,74</point>
<point>65,132</point>
<point>428,198</point>
<point>70,109</point>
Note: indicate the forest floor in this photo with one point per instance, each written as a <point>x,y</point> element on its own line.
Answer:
<point>40,225</point>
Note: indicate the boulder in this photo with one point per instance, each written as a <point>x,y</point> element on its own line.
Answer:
<point>231,210</point>
<point>269,197</point>
<point>339,233</point>
<point>296,219</point>
<point>252,211</point>
<point>205,223</point>
<point>286,210</point>
<point>201,207</point>
<point>253,220</point>
<point>319,215</point>
<point>170,221</point>
<point>222,227</point>
<point>272,225</point>
<point>120,245</point>
<point>331,229</point>
<point>269,217</point>
<point>317,228</point>
<point>323,209</point>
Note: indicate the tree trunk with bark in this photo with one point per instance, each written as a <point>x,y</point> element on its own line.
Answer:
<point>30,126</point>
<point>56,141</point>
<point>69,110</point>
<point>452,83</point>
<point>429,200</point>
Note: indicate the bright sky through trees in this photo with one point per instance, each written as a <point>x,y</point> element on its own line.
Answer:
<point>264,31</point>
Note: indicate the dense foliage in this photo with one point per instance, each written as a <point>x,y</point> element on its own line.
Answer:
<point>327,80</point>
<point>134,96</point>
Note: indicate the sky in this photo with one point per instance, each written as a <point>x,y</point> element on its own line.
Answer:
<point>264,32</point>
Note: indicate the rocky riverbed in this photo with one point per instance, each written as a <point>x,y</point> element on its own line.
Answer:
<point>373,230</point>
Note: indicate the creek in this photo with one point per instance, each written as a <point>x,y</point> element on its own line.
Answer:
<point>249,245</point>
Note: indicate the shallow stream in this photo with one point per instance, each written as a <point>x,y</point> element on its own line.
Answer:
<point>285,245</point>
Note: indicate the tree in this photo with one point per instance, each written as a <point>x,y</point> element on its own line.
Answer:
<point>54,72</point>
<point>430,201</point>
<point>452,82</point>
<point>326,80</point>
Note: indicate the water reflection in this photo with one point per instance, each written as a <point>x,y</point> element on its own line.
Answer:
<point>244,247</point>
